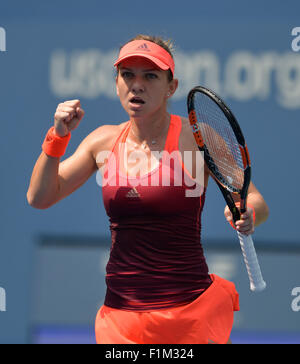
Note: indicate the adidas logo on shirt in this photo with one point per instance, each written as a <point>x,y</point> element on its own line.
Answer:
<point>133,193</point>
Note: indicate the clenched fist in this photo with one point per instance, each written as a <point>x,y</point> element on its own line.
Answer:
<point>67,117</point>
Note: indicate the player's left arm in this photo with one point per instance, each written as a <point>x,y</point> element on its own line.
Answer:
<point>261,208</point>
<point>255,200</point>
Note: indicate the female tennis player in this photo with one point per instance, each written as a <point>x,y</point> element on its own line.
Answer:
<point>159,290</point>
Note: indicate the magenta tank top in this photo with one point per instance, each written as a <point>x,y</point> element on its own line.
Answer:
<point>156,259</point>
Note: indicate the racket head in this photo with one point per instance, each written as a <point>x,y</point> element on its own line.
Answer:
<point>219,136</point>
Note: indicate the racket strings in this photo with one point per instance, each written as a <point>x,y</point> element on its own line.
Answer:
<point>220,141</point>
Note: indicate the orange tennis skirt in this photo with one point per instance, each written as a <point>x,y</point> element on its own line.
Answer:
<point>207,320</point>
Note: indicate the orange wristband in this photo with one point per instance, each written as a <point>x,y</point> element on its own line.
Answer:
<point>54,145</point>
<point>253,213</point>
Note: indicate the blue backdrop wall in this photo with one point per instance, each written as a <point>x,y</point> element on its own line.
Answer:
<point>64,50</point>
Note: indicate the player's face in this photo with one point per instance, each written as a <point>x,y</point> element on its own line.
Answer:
<point>142,87</point>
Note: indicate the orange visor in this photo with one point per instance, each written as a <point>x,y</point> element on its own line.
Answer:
<point>149,50</point>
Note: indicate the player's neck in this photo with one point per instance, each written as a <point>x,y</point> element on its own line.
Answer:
<point>151,126</point>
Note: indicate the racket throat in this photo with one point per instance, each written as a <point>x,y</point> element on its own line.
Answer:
<point>230,203</point>
<point>244,193</point>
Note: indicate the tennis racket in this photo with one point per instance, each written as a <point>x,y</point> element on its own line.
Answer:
<point>219,136</point>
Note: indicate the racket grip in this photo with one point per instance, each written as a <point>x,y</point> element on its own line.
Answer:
<point>257,283</point>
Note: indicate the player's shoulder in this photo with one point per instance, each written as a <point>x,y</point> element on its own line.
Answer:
<point>186,135</point>
<point>107,130</point>
<point>186,126</point>
<point>104,137</point>
<point>187,143</point>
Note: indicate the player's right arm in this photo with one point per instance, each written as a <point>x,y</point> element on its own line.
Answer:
<point>53,180</point>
